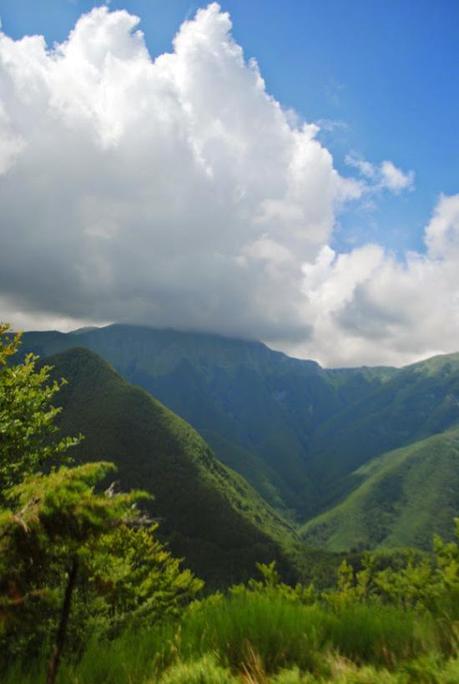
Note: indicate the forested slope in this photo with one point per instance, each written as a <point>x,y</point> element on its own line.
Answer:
<point>207,512</point>
<point>405,497</point>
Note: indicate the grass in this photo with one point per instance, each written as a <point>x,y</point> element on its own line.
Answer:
<point>259,639</point>
<point>281,633</point>
<point>206,670</point>
<point>382,635</point>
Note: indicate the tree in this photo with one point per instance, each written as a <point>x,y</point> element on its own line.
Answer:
<point>139,578</point>
<point>58,522</point>
<point>414,581</point>
<point>28,430</point>
<point>62,536</point>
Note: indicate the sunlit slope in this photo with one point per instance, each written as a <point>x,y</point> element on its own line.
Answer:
<point>404,498</point>
<point>417,401</point>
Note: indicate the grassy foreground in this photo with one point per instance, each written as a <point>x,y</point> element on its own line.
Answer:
<point>259,637</point>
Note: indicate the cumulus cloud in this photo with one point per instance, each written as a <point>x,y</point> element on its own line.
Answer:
<point>178,192</point>
<point>368,306</point>
<point>171,192</point>
<point>442,233</point>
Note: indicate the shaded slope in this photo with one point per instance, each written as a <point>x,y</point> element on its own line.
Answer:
<point>207,512</point>
<point>405,497</point>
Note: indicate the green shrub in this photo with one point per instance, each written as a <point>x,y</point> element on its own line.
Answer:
<point>450,674</point>
<point>293,676</point>
<point>431,669</point>
<point>203,671</point>
<point>342,672</point>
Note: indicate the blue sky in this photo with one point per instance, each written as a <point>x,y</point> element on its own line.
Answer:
<point>385,72</point>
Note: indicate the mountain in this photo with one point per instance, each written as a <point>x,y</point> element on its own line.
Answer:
<point>298,433</point>
<point>415,402</point>
<point>404,498</point>
<point>257,408</point>
<point>207,513</point>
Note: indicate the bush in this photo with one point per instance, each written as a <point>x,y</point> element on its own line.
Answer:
<point>203,671</point>
<point>293,676</point>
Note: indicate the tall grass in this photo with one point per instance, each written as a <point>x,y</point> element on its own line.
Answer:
<point>264,638</point>
<point>203,671</point>
<point>382,634</point>
<point>282,633</point>
<point>132,658</point>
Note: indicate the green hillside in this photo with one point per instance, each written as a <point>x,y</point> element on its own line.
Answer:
<point>405,497</point>
<point>258,409</point>
<point>208,513</point>
<point>297,432</point>
<point>415,402</point>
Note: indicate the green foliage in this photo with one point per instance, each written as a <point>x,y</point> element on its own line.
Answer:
<point>56,523</point>
<point>62,540</point>
<point>136,655</point>
<point>280,632</point>
<point>140,580</point>
<point>203,671</point>
<point>262,639</point>
<point>63,507</point>
<point>27,416</point>
<point>341,672</point>
<point>390,619</point>
<point>293,676</point>
<point>381,635</point>
<point>271,586</point>
<point>422,583</point>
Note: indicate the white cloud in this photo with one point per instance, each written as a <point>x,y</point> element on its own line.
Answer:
<point>394,179</point>
<point>442,233</point>
<point>178,192</point>
<point>171,192</point>
<point>385,176</point>
<point>364,167</point>
<point>368,307</point>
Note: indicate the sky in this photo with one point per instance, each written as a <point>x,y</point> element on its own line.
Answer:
<point>280,171</point>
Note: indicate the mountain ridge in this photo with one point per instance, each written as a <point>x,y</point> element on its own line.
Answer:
<point>296,432</point>
<point>208,513</point>
<point>235,393</point>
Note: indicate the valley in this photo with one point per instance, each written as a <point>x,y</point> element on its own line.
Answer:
<point>310,443</point>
